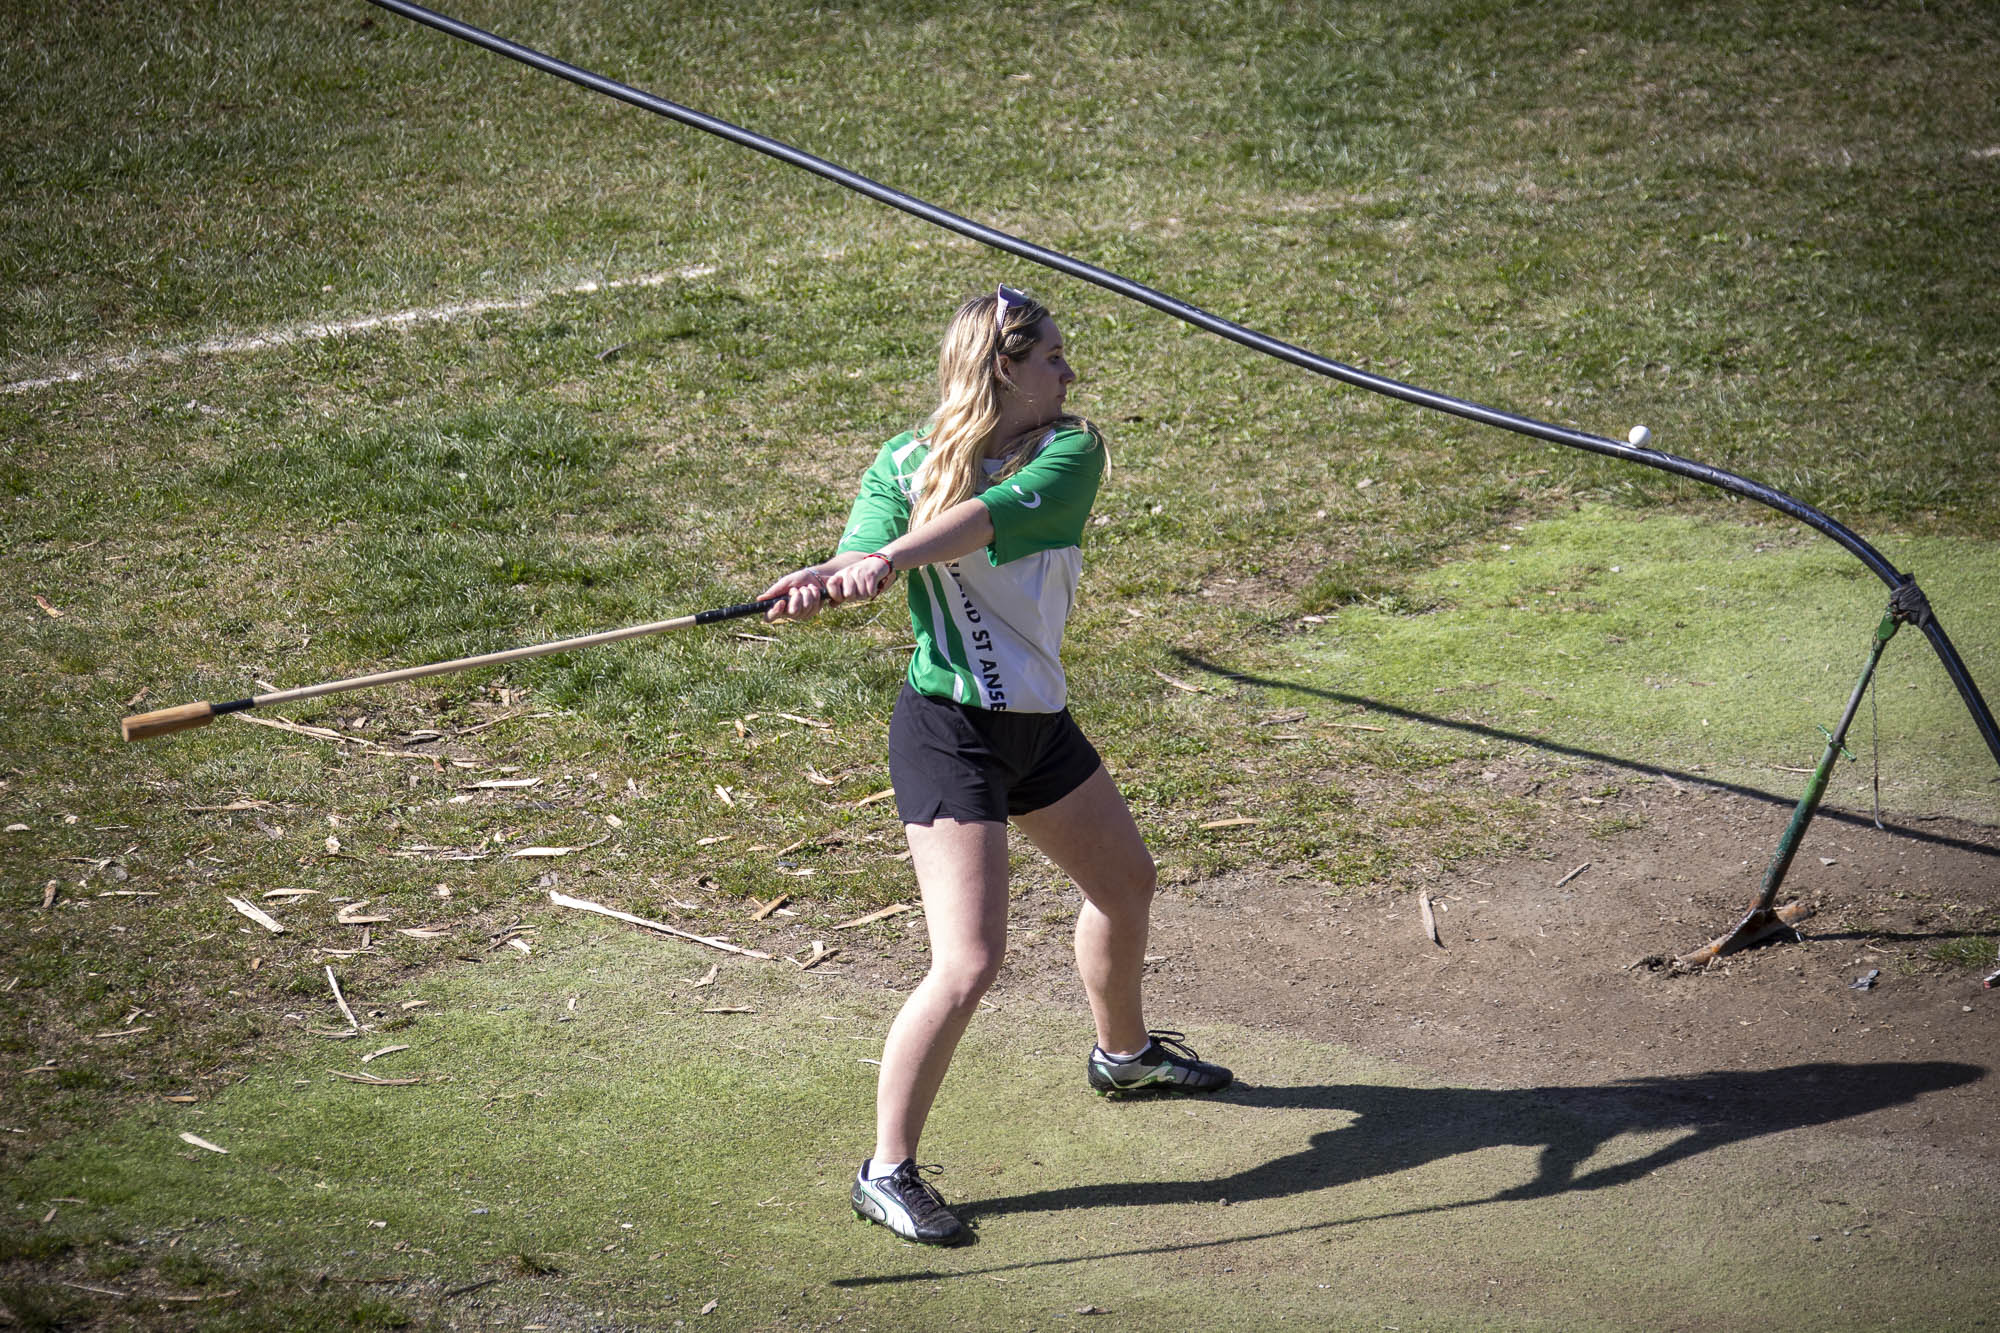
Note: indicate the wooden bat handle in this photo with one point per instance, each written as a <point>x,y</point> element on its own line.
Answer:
<point>168,720</point>
<point>143,726</point>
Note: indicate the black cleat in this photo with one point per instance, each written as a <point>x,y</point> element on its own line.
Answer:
<point>904,1202</point>
<point>1166,1065</point>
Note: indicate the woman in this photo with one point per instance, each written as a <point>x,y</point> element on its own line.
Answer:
<point>984,509</point>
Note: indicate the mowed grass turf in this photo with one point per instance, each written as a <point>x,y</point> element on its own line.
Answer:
<point>1698,646</point>
<point>591,1141</point>
<point>1765,232</point>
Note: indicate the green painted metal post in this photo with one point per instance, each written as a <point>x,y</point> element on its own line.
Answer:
<point>1788,846</point>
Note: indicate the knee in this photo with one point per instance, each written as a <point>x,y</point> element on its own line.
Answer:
<point>1145,880</point>
<point>963,977</point>
<point>1132,894</point>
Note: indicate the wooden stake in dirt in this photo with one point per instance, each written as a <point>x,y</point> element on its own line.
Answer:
<point>164,721</point>
<point>1430,918</point>
<point>1746,933</point>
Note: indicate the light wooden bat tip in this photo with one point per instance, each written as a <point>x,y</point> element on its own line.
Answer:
<point>145,726</point>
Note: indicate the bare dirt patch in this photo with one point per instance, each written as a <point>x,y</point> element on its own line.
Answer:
<point>1538,984</point>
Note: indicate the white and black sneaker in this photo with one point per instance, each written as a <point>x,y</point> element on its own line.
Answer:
<point>904,1202</point>
<point>1166,1065</point>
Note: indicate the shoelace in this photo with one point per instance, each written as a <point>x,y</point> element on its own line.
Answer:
<point>919,1194</point>
<point>1174,1043</point>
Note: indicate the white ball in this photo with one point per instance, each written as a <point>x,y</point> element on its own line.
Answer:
<point>1638,435</point>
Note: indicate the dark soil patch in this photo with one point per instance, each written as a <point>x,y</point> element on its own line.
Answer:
<point>1540,985</point>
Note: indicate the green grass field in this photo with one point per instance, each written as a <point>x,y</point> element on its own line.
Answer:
<point>1766,232</point>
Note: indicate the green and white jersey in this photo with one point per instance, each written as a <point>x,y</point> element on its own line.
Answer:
<point>989,630</point>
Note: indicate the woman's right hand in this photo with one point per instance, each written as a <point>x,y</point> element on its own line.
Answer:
<point>804,591</point>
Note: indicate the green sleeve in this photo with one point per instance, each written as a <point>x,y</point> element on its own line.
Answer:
<point>1045,505</point>
<point>881,512</point>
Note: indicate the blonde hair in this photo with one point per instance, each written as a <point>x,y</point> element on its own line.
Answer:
<point>968,409</point>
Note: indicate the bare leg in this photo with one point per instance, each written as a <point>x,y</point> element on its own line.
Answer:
<point>962,874</point>
<point>1090,835</point>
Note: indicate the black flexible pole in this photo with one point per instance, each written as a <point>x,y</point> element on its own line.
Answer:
<point>1237,333</point>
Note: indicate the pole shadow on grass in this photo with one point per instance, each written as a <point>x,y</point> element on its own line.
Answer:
<point>1198,663</point>
<point>1387,1130</point>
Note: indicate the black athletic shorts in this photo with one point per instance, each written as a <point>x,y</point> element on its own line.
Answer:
<point>974,765</point>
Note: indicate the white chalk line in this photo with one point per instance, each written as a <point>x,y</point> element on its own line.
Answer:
<point>288,335</point>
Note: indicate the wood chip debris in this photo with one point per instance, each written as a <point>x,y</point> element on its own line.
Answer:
<point>200,1142</point>
<point>317,733</point>
<point>518,943</point>
<point>730,1009</point>
<point>582,905</point>
<point>770,907</point>
<point>893,909</point>
<point>882,795</point>
<point>243,804</point>
<point>424,932</point>
<point>1572,874</point>
<point>341,1000</point>
<point>506,937</point>
<point>501,784</point>
<point>47,606</point>
<point>820,954</point>
<point>291,893</point>
<point>529,853</point>
<point>258,914</point>
<point>386,1050</point>
<point>1181,684</point>
<point>722,794</point>
<point>373,1081</point>
<point>350,915</point>
<point>423,851</point>
<point>1429,916</point>
<point>708,978</point>
<point>819,779</point>
<point>806,721</point>
<point>1238,822</point>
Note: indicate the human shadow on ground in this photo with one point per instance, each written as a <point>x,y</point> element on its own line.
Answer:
<point>1385,1130</point>
<point>1827,812</point>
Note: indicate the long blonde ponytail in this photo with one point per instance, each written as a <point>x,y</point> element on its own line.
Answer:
<point>968,407</point>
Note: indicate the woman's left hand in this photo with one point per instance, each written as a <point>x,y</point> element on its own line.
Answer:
<point>859,581</point>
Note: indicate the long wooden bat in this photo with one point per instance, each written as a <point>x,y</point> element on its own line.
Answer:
<point>144,726</point>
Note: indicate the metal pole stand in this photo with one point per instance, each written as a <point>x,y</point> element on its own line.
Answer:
<point>1906,604</point>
